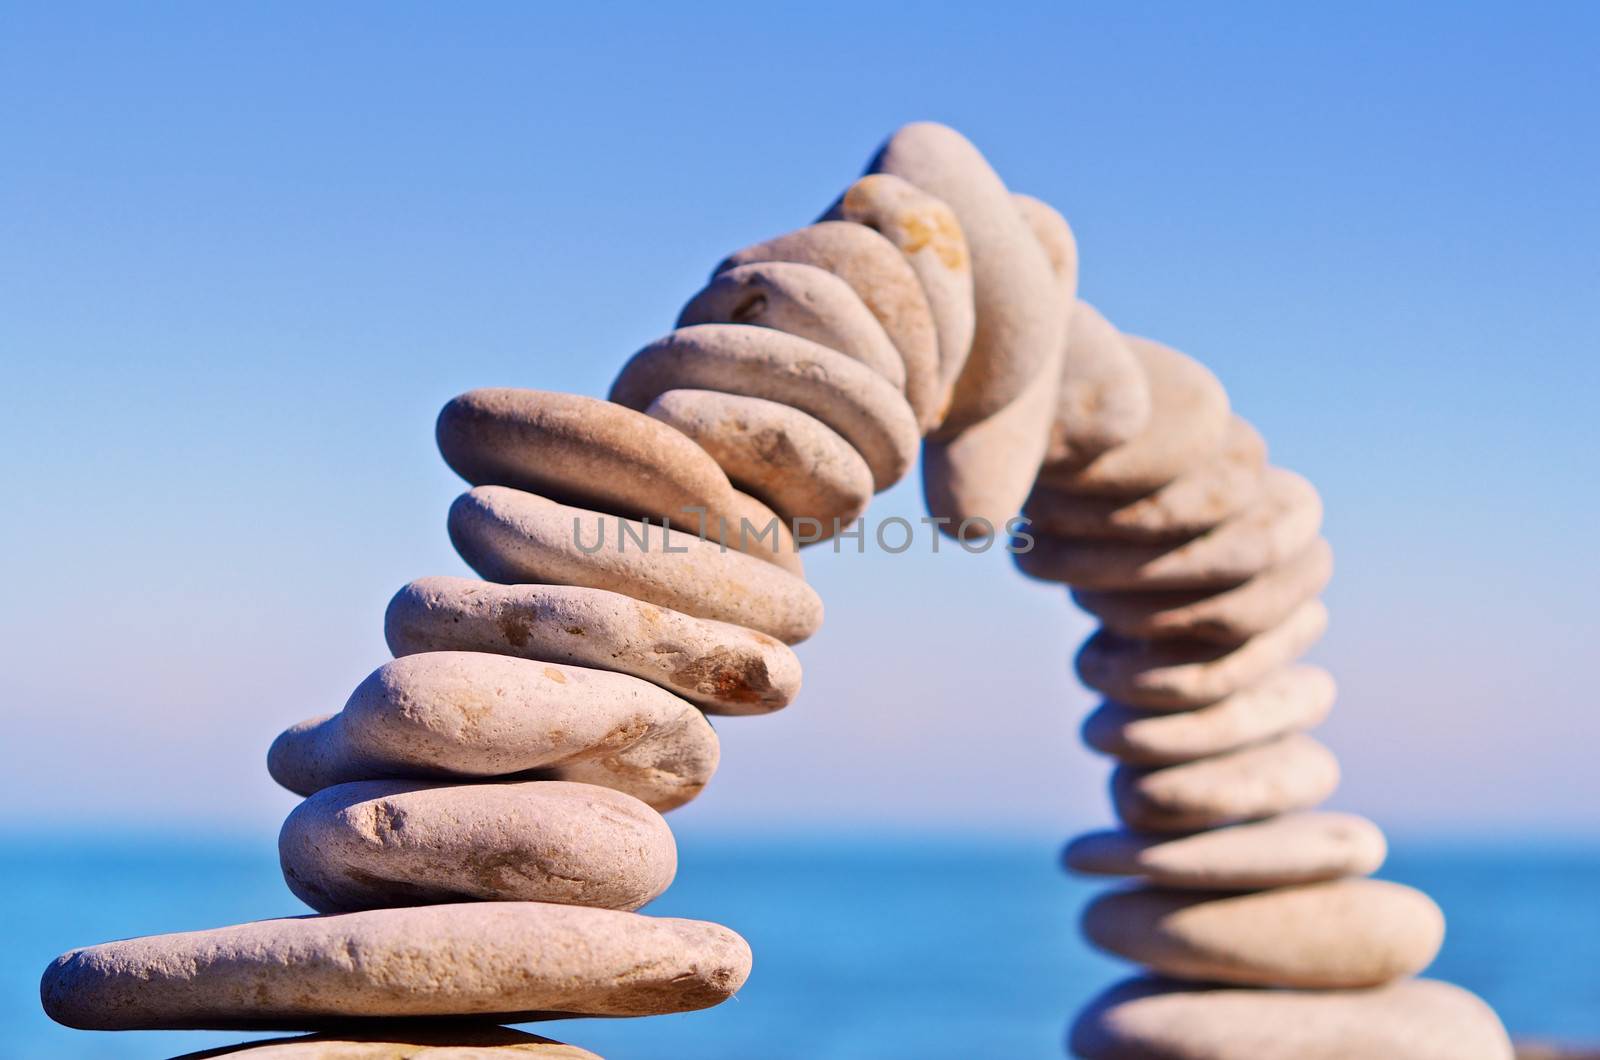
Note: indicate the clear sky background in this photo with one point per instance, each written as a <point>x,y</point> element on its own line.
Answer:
<point>246,252</point>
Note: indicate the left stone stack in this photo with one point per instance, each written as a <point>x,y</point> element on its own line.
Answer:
<point>483,817</point>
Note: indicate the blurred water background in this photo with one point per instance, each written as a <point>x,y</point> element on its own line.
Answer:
<point>882,947</point>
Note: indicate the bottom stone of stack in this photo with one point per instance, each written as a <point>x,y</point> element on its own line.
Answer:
<point>1412,1019</point>
<point>405,1041</point>
<point>507,961</point>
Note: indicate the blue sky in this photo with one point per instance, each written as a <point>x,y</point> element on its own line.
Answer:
<point>247,251</point>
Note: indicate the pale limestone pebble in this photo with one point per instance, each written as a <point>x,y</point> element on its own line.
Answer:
<point>1056,239</point>
<point>1292,849</point>
<point>1337,934</point>
<point>756,530</point>
<point>802,300</point>
<point>509,961</point>
<point>516,538</point>
<point>1182,674</point>
<point>1019,318</point>
<point>926,231</point>
<point>1411,1019</point>
<point>883,279</point>
<point>1104,400</point>
<point>719,667</point>
<point>1190,504</point>
<point>458,715</point>
<point>977,481</point>
<point>1282,522</point>
<point>793,460</point>
<point>1293,699</point>
<point>1230,616</point>
<point>407,1041</point>
<point>1292,772</point>
<point>371,844</point>
<point>1187,427</point>
<point>852,399</point>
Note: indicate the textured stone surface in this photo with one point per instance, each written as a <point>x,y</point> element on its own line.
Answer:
<point>513,537</point>
<point>464,714</point>
<point>721,668</point>
<point>506,960</point>
<point>406,1041</point>
<point>1179,674</point>
<point>1187,427</point>
<point>924,230</point>
<point>1019,319</point>
<point>1293,848</point>
<point>883,279</point>
<point>377,843</point>
<point>1104,400</point>
<point>1292,772</point>
<point>1190,504</point>
<point>1230,615</point>
<point>802,300</point>
<point>1414,1019</point>
<point>1334,935</point>
<point>802,467</point>
<point>1287,700</point>
<point>857,403</point>
<point>1281,523</point>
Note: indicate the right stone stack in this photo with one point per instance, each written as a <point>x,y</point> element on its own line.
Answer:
<point>1253,912</point>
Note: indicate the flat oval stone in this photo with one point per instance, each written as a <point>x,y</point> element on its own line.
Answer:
<point>1412,1019</point>
<point>1230,616</point>
<point>1055,238</point>
<point>466,1041</point>
<point>1180,674</point>
<point>1291,849</point>
<point>1323,936</point>
<point>883,279</point>
<point>371,844</point>
<point>1282,522</point>
<point>509,961</point>
<point>1292,772</point>
<point>1289,700</point>
<point>802,300</point>
<point>719,667</point>
<point>459,715</point>
<point>1104,399</point>
<point>924,229</point>
<point>852,399</point>
<point>514,537</point>
<point>1019,318</point>
<point>1190,504</point>
<point>794,460</point>
<point>756,530</point>
<point>1187,426</point>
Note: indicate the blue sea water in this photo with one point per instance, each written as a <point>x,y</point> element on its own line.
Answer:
<point>886,948</point>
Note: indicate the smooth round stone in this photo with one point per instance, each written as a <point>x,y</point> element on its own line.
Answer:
<point>719,667</point>
<point>1282,522</point>
<point>756,530</point>
<point>1230,616</point>
<point>1412,1019</point>
<point>458,715</point>
<point>925,230</point>
<point>1181,674</point>
<point>516,538</point>
<point>1292,772</point>
<point>1190,504</point>
<point>803,468</point>
<point>1056,239</point>
<point>1104,400</point>
<point>371,844</point>
<point>1187,426</point>
<point>1292,849</point>
<point>509,961</point>
<point>857,403</point>
<point>802,300</point>
<point>408,1041</point>
<point>883,279</point>
<point>1339,934</point>
<point>1019,320</point>
<point>1289,700</point>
